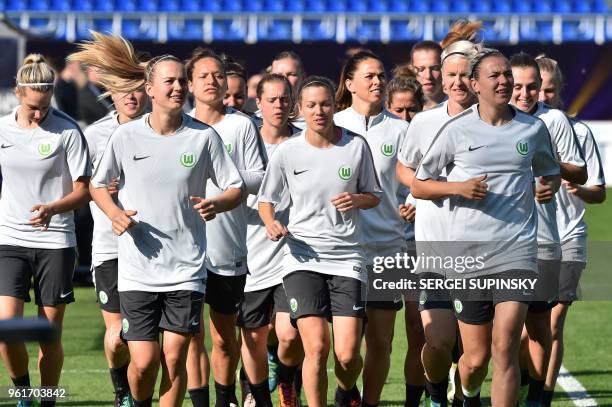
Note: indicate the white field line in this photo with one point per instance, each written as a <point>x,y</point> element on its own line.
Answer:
<point>575,391</point>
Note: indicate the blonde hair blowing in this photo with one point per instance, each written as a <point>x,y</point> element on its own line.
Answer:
<point>463,48</point>
<point>35,74</point>
<point>461,30</point>
<point>114,60</point>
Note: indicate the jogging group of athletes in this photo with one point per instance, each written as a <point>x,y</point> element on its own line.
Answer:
<point>273,219</point>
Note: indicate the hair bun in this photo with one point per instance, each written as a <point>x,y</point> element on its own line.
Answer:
<point>34,59</point>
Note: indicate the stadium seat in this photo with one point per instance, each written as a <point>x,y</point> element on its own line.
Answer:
<point>102,25</point>
<point>253,5</point>
<point>139,29</point>
<point>483,6</point>
<point>317,30</point>
<point>600,6</point>
<point>275,30</point>
<point>501,7</point>
<point>521,6</point>
<point>232,6</point>
<point>399,6</point>
<point>295,6</point>
<point>358,6</point>
<point>103,5</point>
<point>578,31</point>
<point>363,31</point>
<point>274,6</point>
<point>419,6</point>
<point>84,5</point>
<point>147,6</point>
<point>562,6</point>
<point>228,30</point>
<point>378,6</point>
<point>495,31</point>
<point>211,5</point>
<point>402,30</point>
<point>461,6</point>
<point>39,5</point>
<point>532,30</point>
<point>337,6</point>
<point>542,6</point>
<point>440,6</point>
<point>315,6</point>
<point>175,5</point>
<point>126,5</point>
<point>16,5</point>
<point>582,6</point>
<point>190,29</point>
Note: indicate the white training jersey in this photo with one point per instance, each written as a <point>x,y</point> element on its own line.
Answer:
<point>265,257</point>
<point>510,155</point>
<point>226,234</point>
<point>39,166</point>
<point>321,238</point>
<point>382,227</point>
<point>571,209</point>
<point>431,221</point>
<point>104,240</point>
<point>165,250</point>
<point>568,151</point>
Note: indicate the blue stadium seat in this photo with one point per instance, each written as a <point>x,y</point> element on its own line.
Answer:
<point>542,6</point>
<point>600,6</point>
<point>48,26</point>
<point>295,6</point>
<point>316,30</point>
<point>364,31</point>
<point>232,5</point>
<point>337,6</point>
<point>175,5</point>
<point>146,6</point>
<point>536,30</point>
<point>139,29</point>
<point>228,30</point>
<point>521,6</point>
<point>315,6</point>
<point>401,31</point>
<point>495,31</point>
<point>399,6</point>
<point>419,6</point>
<point>274,6</point>
<point>126,5</point>
<point>84,5</point>
<point>440,6</point>
<point>253,5</point>
<point>562,6</point>
<point>578,31</point>
<point>275,30</point>
<point>39,5</point>
<point>212,5</point>
<point>60,5</point>
<point>190,29</point>
<point>483,6</point>
<point>102,25</point>
<point>583,6</point>
<point>16,5</point>
<point>103,5</point>
<point>378,6</point>
<point>461,6</point>
<point>502,7</point>
<point>358,6</point>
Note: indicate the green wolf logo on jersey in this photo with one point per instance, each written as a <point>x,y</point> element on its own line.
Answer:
<point>458,306</point>
<point>229,148</point>
<point>345,172</point>
<point>522,147</point>
<point>387,150</point>
<point>44,149</point>
<point>125,325</point>
<point>188,159</point>
<point>293,305</point>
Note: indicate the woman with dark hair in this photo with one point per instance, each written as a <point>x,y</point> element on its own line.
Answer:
<point>495,151</point>
<point>164,160</point>
<point>129,99</point>
<point>265,300</point>
<point>236,95</point>
<point>360,99</point>
<point>45,174</point>
<point>226,260</point>
<point>571,200</point>
<point>404,97</point>
<point>329,174</point>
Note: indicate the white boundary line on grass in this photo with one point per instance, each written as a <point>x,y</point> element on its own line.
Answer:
<point>575,391</point>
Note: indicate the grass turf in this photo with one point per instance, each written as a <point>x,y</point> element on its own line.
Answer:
<point>587,340</point>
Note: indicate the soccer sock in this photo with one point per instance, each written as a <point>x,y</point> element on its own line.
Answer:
<point>23,381</point>
<point>471,398</point>
<point>143,403</point>
<point>272,350</point>
<point>547,396</point>
<point>225,394</point>
<point>344,397</point>
<point>261,394</point>
<point>286,374</point>
<point>119,379</point>
<point>524,378</point>
<point>437,391</point>
<point>535,390</point>
<point>413,395</point>
<point>199,396</point>
<point>457,402</point>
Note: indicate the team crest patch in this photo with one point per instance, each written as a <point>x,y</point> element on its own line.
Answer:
<point>293,305</point>
<point>103,297</point>
<point>229,147</point>
<point>188,159</point>
<point>345,172</point>
<point>44,149</point>
<point>458,306</point>
<point>387,150</point>
<point>423,298</point>
<point>522,147</point>
<point>125,325</point>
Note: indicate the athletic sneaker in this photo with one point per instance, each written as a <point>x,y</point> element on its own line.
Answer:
<point>124,400</point>
<point>272,370</point>
<point>287,396</point>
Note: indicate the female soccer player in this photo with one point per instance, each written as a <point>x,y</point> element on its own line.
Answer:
<point>264,297</point>
<point>359,100</point>
<point>433,222</point>
<point>164,160</point>
<point>404,97</point>
<point>236,94</point>
<point>537,338</point>
<point>495,150</point>
<point>128,106</point>
<point>226,235</point>
<point>570,220</point>
<point>45,175</point>
<point>329,174</point>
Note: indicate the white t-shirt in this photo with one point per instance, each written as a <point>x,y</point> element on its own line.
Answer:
<point>322,239</point>
<point>39,166</point>
<point>165,250</point>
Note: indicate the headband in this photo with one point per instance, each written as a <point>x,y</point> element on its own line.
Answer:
<point>35,84</point>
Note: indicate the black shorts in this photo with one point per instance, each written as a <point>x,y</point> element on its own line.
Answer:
<point>432,298</point>
<point>49,271</point>
<point>325,295</point>
<point>547,288</point>
<point>224,293</point>
<point>394,305</point>
<point>258,307</point>
<point>477,307</point>
<point>144,314</point>
<point>569,278</point>
<point>105,282</point>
